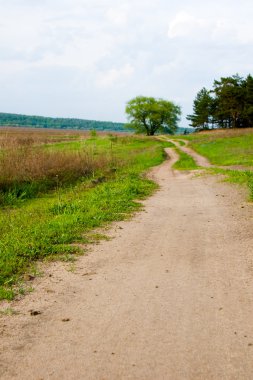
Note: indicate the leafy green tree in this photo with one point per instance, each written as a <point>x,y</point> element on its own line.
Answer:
<point>150,115</point>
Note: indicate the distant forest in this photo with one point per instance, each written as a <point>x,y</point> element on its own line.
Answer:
<point>15,120</point>
<point>229,104</point>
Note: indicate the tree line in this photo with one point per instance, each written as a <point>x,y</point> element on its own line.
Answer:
<point>229,104</point>
<point>15,120</point>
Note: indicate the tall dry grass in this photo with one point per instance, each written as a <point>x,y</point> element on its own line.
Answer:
<point>17,137</point>
<point>29,164</point>
<point>225,132</point>
<point>26,168</point>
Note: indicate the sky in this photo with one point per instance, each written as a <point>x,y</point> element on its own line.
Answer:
<point>87,58</point>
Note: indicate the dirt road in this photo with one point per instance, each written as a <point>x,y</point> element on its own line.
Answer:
<point>169,297</point>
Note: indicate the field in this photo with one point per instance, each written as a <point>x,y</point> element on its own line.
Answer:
<point>56,187</point>
<point>230,151</point>
<point>187,256</point>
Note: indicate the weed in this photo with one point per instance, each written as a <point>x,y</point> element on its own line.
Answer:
<point>6,293</point>
<point>95,237</point>
<point>8,311</point>
<point>72,268</point>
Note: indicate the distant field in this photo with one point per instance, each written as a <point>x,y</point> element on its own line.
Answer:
<point>45,135</point>
<point>55,189</point>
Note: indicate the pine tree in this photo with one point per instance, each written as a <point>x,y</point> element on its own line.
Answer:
<point>230,98</point>
<point>202,110</point>
<point>248,109</point>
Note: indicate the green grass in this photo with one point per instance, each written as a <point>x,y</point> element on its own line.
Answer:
<point>46,227</point>
<point>227,148</point>
<point>105,153</point>
<point>164,139</point>
<point>224,150</point>
<point>185,161</point>
<point>240,177</point>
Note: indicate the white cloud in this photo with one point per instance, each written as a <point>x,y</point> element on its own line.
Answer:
<point>118,15</point>
<point>185,24</point>
<point>62,54</point>
<point>211,28</point>
<point>115,76</point>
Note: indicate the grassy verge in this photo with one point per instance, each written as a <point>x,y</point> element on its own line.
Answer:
<point>47,227</point>
<point>226,148</point>
<point>240,177</point>
<point>185,161</point>
<point>164,139</point>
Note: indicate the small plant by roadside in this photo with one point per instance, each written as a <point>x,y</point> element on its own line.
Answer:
<point>9,311</point>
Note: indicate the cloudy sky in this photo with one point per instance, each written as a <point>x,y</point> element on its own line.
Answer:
<point>87,58</point>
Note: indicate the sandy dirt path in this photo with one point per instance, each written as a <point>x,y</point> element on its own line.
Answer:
<point>200,160</point>
<point>170,296</point>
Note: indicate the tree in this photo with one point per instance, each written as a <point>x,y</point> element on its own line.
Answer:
<point>228,105</point>
<point>202,110</point>
<point>149,115</point>
<point>248,109</point>
<point>230,96</point>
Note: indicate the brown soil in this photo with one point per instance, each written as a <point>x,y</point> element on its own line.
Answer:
<point>168,297</point>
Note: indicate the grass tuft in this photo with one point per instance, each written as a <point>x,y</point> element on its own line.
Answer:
<point>185,162</point>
